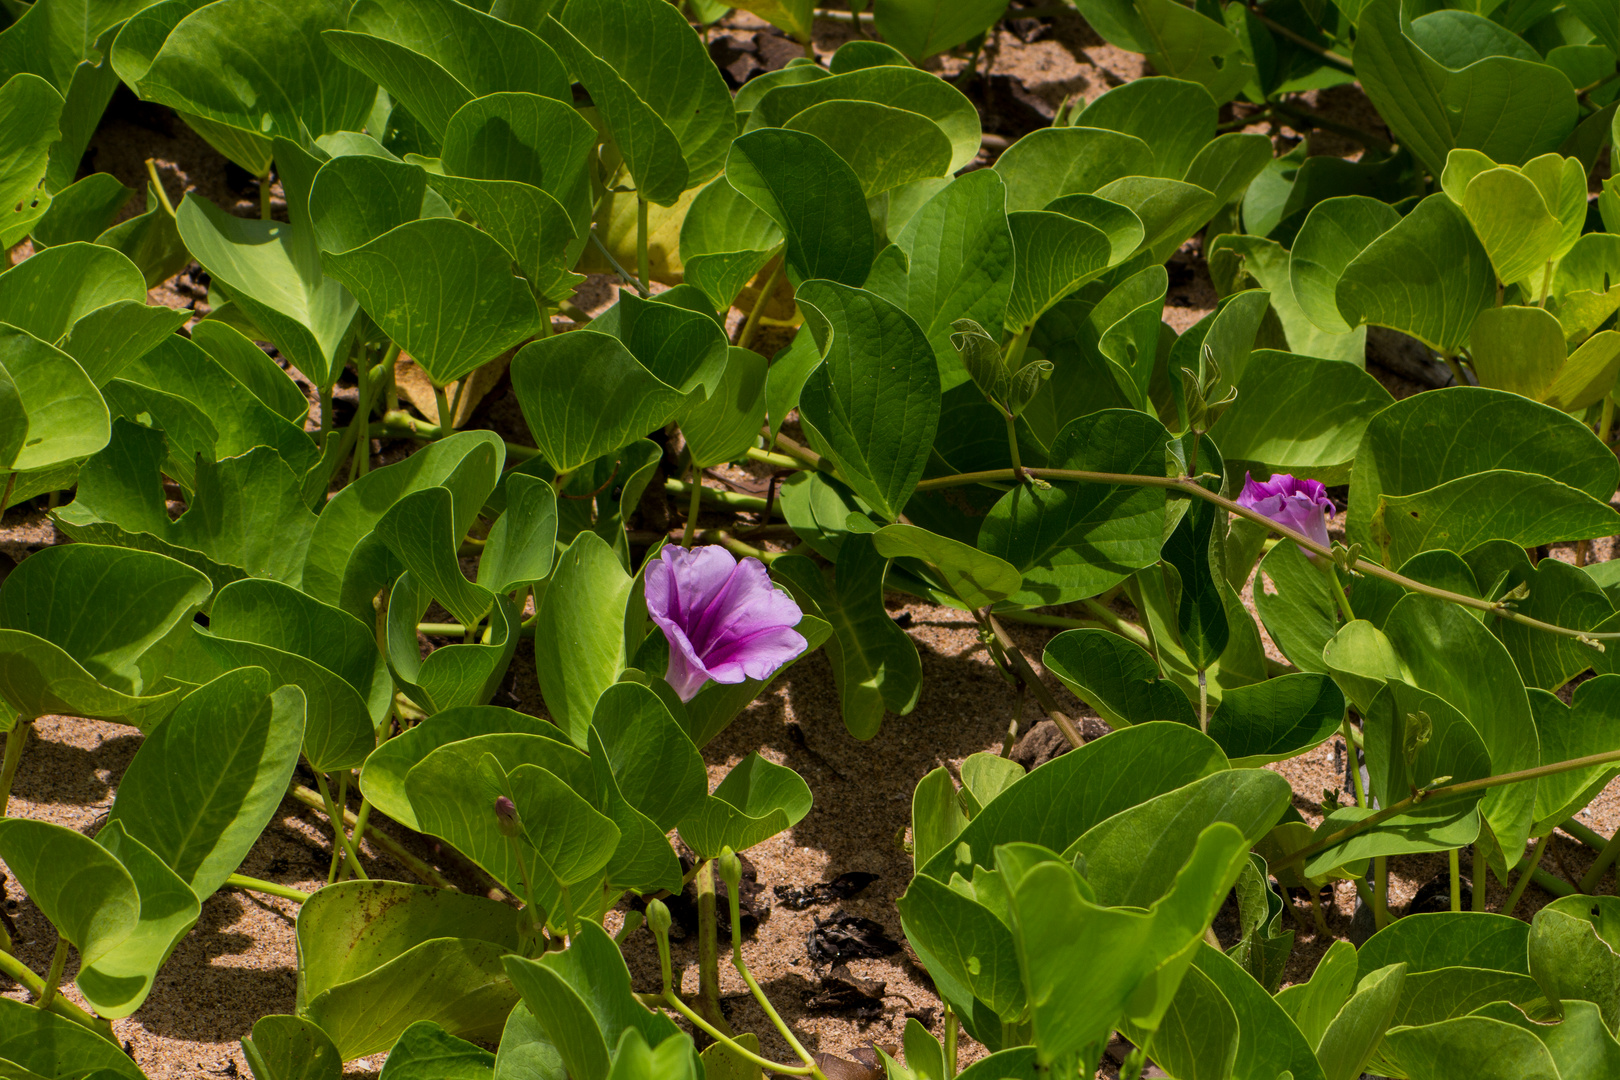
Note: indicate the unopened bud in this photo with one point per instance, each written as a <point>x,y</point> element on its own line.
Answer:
<point>730,868</point>
<point>658,918</point>
<point>506,816</point>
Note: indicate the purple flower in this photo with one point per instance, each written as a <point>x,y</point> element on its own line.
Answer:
<point>1301,505</point>
<point>724,619</point>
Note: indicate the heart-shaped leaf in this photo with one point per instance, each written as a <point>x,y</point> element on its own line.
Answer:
<point>80,886</point>
<point>756,800</point>
<point>240,733</point>
<point>814,197</point>
<point>878,430</point>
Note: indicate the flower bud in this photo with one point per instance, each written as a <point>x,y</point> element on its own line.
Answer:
<point>730,868</point>
<point>506,816</point>
<point>658,919</point>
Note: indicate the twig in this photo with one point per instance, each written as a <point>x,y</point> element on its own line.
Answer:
<point>1038,688</point>
<point>422,870</point>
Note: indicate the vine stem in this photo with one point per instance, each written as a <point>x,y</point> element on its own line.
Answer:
<point>1604,860</point>
<point>746,335</point>
<point>54,979</point>
<point>269,888</point>
<point>16,739</point>
<point>1464,787</point>
<point>674,1002</point>
<point>337,821</point>
<point>1189,486</point>
<point>709,949</point>
<point>1331,58</point>
<point>1524,877</point>
<point>1454,861</point>
<point>61,1006</point>
<point>1027,673</point>
<point>415,865</point>
<point>694,509</point>
<point>643,263</point>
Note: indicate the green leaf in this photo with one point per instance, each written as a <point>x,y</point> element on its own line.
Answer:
<point>1277,719</point>
<point>291,1048</point>
<point>652,763</point>
<point>1229,164</point>
<point>1084,964</point>
<point>1073,540</point>
<point>1567,733</point>
<point>875,664</point>
<point>273,271</point>
<point>1473,1047</point>
<point>252,367</point>
<point>922,28</point>
<point>108,340</point>
<point>118,983</point>
<point>661,98</point>
<point>1463,431</point>
<point>328,654</point>
<point>1067,796</point>
<point>976,578</point>
<point>244,517</point>
<point>1054,255</point>
<point>209,58</point>
<point>1354,1034</point>
<point>1572,953</point>
<point>244,737</point>
<point>756,800</point>
<point>1518,231</point>
<point>886,147</point>
<point>725,241</point>
<point>1420,81</point>
<point>151,240</point>
<point>814,197</point>
<point>1459,515</point>
<point>49,292</point>
<point>1116,677</point>
<point>877,430</point>
<point>420,530</point>
<point>1298,414</point>
<point>82,211</point>
<point>426,1052</point>
<point>1556,594</point>
<point>585,394</point>
<point>1170,210</point>
<point>1438,940</point>
<point>579,636</point>
<point>897,87</point>
<point>936,816</point>
<point>377,956</point>
<point>959,265</point>
<point>382,780</point>
<point>1427,276</point>
<point>964,941</point>
<point>725,424</point>
<point>1199,1035</point>
<point>1049,163</point>
<point>347,563</point>
<point>1334,235</point>
<point>50,1045</point>
<point>30,111</point>
<point>573,841</point>
<point>84,631</point>
<point>1580,1045</point>
<point>1267,1037</point>
<point>398,271</point>
<point>1520,349</point>
<point>51,409</point>
<point>80,886</point>
<point>1176,118</point>
<point>1134,858</point>
<point>434,56</point>
<point>580,998</point>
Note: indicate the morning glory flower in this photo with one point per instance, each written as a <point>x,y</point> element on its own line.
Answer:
<point>724,620</point>
<point>1301,505</point>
